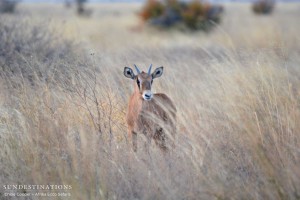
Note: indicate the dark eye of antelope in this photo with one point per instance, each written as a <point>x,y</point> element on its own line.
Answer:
<point>138,82</point>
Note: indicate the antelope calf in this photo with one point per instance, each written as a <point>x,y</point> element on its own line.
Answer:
<point>153,115</point>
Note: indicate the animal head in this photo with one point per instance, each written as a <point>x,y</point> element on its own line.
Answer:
<point>142,80</point>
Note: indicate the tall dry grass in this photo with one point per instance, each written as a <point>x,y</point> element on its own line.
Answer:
<point>63,110</point>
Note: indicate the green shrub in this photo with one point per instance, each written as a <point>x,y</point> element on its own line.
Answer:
<point>152,9</point>
<point>194,15</point>
<point>263,6</point>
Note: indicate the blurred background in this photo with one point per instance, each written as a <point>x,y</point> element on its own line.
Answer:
<point>231,68</point>
<point>226,24</point>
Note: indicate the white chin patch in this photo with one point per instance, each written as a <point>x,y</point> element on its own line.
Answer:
<point>147,95</point>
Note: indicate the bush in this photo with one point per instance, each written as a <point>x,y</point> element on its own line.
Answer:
<point>8,6</point>
<point>194,15</point>
<point>152,9</point>
<point>34,53</point>
<point>263,6</point>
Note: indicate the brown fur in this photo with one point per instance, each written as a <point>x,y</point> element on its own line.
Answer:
<point>155,118</point>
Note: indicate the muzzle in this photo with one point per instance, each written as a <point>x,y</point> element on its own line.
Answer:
<point>147,95</point>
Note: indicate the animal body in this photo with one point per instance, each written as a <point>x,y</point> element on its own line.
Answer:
<point>153,115</point>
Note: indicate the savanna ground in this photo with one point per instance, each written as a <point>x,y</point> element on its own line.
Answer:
<point>63,103</point>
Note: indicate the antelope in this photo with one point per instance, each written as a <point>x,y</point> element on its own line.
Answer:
<point>153,115</point>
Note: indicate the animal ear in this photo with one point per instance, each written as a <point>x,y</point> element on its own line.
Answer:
<point>128,72</point>
<point>157,72</point>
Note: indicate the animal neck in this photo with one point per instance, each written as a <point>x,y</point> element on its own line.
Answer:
<point>136,93</point>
